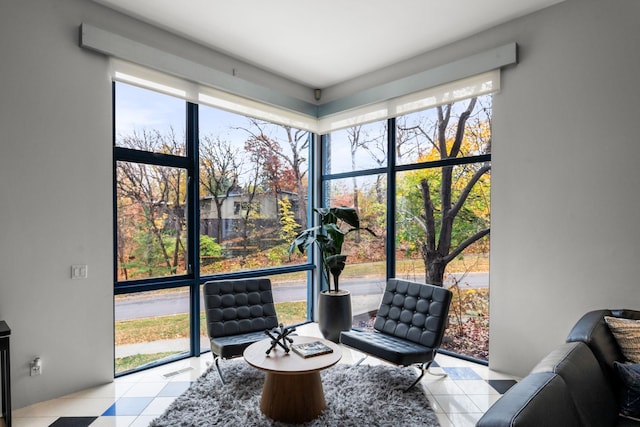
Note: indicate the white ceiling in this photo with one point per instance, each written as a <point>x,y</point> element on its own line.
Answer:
<point>322,43</point>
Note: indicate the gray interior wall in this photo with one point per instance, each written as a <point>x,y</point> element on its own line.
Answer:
<point>564,194</point>
<point>56,197</point>
<point>565,178</point>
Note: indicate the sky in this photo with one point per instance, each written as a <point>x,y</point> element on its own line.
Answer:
<point>138,109</point>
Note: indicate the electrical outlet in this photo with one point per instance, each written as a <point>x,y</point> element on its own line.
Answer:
<point>36,367</point>
<point>79,271</point>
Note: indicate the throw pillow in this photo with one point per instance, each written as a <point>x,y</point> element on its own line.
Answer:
<point>629,374</point>
<point>627,334</point>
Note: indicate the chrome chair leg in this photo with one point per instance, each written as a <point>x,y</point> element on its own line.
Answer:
<point>424,369</point>
<point>216,358</point>
<point>361,360</point>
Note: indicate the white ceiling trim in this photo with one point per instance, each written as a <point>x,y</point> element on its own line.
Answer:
<point>324,44</point>
<point>120,47</point>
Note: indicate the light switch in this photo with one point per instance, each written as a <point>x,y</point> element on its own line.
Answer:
<point>79,271</point>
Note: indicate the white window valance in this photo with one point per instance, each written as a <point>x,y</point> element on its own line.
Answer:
<point>152,68</point>
<point>470,87</point>
<point>482,84</point>
<point>125,72</point>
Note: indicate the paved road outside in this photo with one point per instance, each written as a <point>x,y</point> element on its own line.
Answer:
<point>135,306</point>
<point>365,296</point>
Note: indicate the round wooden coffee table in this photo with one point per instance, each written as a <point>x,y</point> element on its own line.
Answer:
<point>292,390</point>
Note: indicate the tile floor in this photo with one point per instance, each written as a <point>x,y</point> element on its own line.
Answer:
<point>459,399</point>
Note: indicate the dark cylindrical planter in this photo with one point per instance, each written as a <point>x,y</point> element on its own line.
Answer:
<point>334,314</point>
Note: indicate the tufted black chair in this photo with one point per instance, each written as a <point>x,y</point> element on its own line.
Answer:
<point>409,326</point>
<point>238,312</point>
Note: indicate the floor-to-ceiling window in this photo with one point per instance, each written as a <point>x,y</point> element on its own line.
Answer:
<point>202,193</point>
<point>253,198</point>
<point>422,181</point>
<point>355,175</point>
<point>199,193</point>
<point>153,268</point>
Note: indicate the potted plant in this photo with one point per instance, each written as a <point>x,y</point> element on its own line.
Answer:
<point>334,304</point>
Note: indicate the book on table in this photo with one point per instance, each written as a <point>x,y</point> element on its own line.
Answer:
<point>309,349</point>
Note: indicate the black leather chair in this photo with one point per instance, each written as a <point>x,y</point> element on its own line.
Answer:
<point>409,326</point>
<point>237,312</point>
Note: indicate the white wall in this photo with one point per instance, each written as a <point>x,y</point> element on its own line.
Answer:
<point>565,182</point>
<point>55,201</point>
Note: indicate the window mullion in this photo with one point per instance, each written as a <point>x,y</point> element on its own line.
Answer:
<point>193,203</point>
<point>391,198</point>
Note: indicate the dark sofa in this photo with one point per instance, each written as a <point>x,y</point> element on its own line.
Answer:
<point>574,385</point>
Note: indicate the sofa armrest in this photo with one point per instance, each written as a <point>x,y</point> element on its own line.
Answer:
<point>540,399</point>
<point>590,390</point>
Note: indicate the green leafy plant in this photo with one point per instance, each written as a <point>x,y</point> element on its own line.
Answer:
<point>288,229</point>
<point>209,247</point>
<point>329,237</point>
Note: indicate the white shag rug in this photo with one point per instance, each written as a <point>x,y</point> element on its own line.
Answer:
<point>355,395</point>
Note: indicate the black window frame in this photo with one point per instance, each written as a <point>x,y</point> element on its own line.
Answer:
<point>317,179</point>
<point>192,279</point>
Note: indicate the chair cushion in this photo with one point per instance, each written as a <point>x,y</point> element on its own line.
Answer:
<point>393,349</point>
<point>414,311</point>
<point>238,312</point>
<point>233,345</point>
<point>627,334</point>
<point>630,397</point>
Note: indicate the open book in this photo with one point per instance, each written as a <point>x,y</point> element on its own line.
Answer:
<point>308,349</point>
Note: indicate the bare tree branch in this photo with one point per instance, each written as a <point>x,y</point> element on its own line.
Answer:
<point>467,189</point>
<point>429,217</point>
<point>465,244</point>
<point>461,128</point>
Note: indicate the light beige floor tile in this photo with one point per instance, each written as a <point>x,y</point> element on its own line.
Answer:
<point>464,420</point>
<point>158,406</point>
<point>143,421</point>
<point>121,421</point>
<point>488,374</point>
<point>64,407</point>
<point>444,420</point>
<point>112,390</point>
<point>31,421</point>
<point>456,404</point>
<point>476,387</point>
<point>145,389</point>
<point>444,386</point>
<point>484,401</point>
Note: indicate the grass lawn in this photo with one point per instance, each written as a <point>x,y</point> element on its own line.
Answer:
<point>177,326</point>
